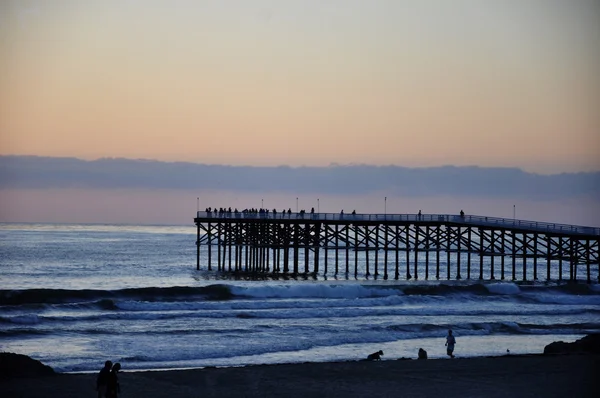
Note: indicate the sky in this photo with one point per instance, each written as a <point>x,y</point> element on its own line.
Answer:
<point>178,207</point>
<point>414,83</point>
<point>510,83</point>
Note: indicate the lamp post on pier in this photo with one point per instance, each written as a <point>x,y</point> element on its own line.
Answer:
<point>318,207</point>
<point>296,205</point>
<point>385,206</point>
<point>262,204</point>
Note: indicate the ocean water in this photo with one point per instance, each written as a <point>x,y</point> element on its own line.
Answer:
<point>74,296</point>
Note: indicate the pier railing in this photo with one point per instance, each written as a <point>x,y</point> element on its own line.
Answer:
<point>448,218</point>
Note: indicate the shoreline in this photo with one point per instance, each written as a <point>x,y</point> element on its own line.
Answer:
<point>498,376</point>
<point>304,363</point>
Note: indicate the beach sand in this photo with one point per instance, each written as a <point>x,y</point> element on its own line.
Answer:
<point>508,376</point>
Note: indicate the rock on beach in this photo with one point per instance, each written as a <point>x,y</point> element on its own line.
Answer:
<point>20,366</point>
<point>589,344</point>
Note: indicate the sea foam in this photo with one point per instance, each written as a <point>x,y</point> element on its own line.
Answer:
<point>503,288</point>
<point>313,291</point>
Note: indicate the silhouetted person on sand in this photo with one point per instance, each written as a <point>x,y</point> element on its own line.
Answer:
<point>102,379</point>
<point>376,356</point>
<point>113,388</point>
<point>450,342</point>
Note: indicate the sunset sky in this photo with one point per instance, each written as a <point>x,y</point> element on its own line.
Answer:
<point>270,82</point>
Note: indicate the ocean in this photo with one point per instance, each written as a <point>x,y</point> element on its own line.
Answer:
<point>74,296</point>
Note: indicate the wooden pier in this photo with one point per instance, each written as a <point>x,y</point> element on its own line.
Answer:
<point>399,246</point>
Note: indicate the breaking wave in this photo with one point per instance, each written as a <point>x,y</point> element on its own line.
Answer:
<point>109,299</point>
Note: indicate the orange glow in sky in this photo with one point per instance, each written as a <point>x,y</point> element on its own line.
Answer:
<point>266,82</point>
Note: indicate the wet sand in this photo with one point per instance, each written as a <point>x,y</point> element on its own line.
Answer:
<point>508,376</point>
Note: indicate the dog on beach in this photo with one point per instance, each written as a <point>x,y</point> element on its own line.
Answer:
<point>376,356</point>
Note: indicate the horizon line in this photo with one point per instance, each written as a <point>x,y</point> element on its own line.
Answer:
<point>330,165</point>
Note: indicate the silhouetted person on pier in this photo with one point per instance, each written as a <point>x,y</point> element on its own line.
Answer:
<point>312,210</point>
<point>353,212</point>
<point>450,342</point>
<point>342,213</point>
<point>419,213</point>
<point>289,211</point>
<point>462,213</point>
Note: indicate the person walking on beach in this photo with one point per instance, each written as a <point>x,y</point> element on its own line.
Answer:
<point>102,379</point>
<point>113,388</point>
<point>450,342</point>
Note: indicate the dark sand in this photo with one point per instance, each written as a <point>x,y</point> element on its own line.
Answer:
<point>510,376</point>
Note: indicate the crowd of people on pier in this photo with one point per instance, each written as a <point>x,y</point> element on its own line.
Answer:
<point>253,213</point>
